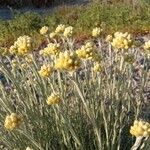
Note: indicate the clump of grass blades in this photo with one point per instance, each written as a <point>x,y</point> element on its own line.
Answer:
<point>70,102</point>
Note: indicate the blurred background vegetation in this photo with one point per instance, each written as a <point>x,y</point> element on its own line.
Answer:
<point>112,15</point>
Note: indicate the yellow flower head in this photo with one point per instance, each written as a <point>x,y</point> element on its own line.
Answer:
<point>140,128</point>
<point>60,28</point>
<point>44,30</point>
<point>97,67</point>
<point>46,71</point>
<point>67,61</point>
<point>121,40</point>
<point>22,46</point>
<point>147,46</point>
<point>53,99</point>
<point>68,31</point>
<point>87,51</point>
<point>12,121</point>
<point>51,49</point>
<point>52,35</point>
<point>28,148</point>
<point>96,32</point>
<point>109,38</point>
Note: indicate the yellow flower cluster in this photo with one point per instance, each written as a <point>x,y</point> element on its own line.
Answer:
<point>53,99</point>
<point>68,31</point>
<point>46,70</point>
<point>22,46</point>
<point>147,46</point>
<point>28,148</point>
<point>140,128</point>
<point>52,35</point>
<point>12,121</point>
<point>44,30</point>
<point>109,38</point>
<point>87,51</point>
<point>60,29</point>
<point>96,32</point>
<point>51,49</point>
<point>121,40</point>
<point>67,61</point>
<point>97,67</point>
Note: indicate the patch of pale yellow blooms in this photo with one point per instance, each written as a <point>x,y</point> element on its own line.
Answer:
<point>22,46</point>
<point>96,32</point>
<point>140,128</point>
<point>68,61</point>
<point>109,38</point>
<point>121,40</point>
<point>46,70</point>
<point>60,29</point>
<point>44,30</point>
<point>12,121</point>
<point>53,35</point>
<point>87,51</point>
<point>51,49</point>
<point>28,148</point>
<point>53,99</point>
<point>97,67</point>
<point>68,32</point>
<point>147,46</point>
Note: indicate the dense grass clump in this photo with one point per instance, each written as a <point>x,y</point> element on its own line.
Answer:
<point>77,96</point>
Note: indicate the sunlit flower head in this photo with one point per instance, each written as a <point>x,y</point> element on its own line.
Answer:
<point>68,31</point>
<point>52,35</point>
<point>44,30</point>
<point>22,46</point>
<point>53,99</point>
<point>51,49</point>
<point>87,51</point>
<point>12,121</point>
<point>140,128</point>
<point>97,67</point>
<point>60,28</point>
<point>28,148</point>
<point>147,46</point>
<point>67,61</point>
<point>96,32</point>
<point>109,38</point>
<point>121,40</point>
<point>46,70</point>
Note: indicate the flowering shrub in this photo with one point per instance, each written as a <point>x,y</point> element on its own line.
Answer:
<point>74,96</point>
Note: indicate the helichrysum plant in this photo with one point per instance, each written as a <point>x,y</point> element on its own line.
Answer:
<point>76,96</point>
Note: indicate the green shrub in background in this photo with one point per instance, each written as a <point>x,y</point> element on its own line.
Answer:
<point>111,17</point>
